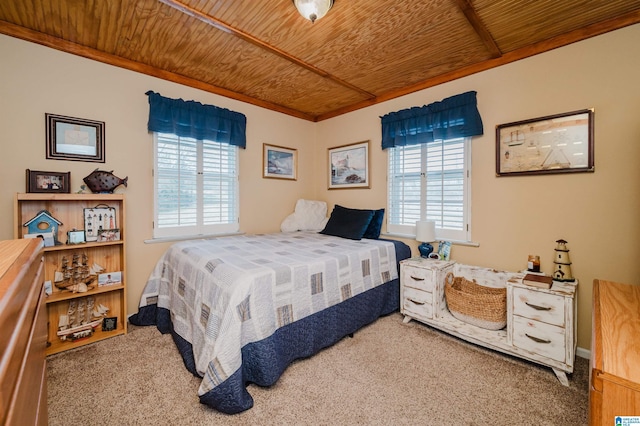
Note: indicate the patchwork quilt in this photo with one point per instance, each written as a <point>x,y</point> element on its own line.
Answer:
<point>224,298</point>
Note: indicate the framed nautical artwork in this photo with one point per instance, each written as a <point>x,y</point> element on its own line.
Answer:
<point>560,143</point>
<point>349,166</point>
<point>279,162</point>
<point>97,219</point>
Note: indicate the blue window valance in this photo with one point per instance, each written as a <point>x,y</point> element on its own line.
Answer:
<point>450,118</point>
<point>195,120</point>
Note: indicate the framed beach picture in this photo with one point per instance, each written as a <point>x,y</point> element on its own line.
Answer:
<point>349,166</point>
<point>279,162</point>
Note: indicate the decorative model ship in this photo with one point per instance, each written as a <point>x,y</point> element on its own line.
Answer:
<point>78,277</point>
<point>82,318</point>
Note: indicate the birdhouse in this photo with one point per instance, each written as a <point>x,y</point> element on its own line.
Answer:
<point>562,263</point>
<point>44,223</point>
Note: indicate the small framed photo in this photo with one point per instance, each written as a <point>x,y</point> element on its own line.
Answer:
<point>44,182</point>
<point>279,162</point>
<point>444,250</point>
<point>109,278</point>
<point>75,139</point>
<point>109,323</point>
<point>75,237</point>
<point>349,166</point>
<point>47,237</point>
<point>48,289</point>
<point>105,235</point>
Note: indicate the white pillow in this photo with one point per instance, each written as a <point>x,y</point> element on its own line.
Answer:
<point>308,216</point>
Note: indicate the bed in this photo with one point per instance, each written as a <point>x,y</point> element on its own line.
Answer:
<point>242,308</point>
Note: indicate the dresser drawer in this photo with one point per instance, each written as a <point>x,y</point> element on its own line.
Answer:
<point>540,338</point>
<point>417,303</point>
<point>540,306</point>
<point>419,278</point>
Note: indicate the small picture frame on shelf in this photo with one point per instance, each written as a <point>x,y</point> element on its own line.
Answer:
<point>109,278</point>
<point>105,235</point>
<point>48,182</point>
<point>75,237</point>
<point>109,323</point>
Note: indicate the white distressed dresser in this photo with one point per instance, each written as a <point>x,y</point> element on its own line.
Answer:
<point>540,322</point>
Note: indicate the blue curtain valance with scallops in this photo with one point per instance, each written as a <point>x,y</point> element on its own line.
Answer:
<point>450,118</point>
<point>195,120</point>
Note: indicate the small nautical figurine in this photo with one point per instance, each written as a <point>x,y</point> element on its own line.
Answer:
<point>562,263</point>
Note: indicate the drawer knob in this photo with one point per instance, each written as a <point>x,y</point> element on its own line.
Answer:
<point>537,339</point>
<point>417,278</point>
<point>538,308</point>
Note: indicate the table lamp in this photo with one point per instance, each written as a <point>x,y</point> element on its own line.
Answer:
<point>425,233</point>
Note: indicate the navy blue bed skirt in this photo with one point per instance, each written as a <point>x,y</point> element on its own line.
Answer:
<point>264,361</point>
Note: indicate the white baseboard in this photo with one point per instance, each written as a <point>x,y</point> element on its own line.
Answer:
<point>583,353</point>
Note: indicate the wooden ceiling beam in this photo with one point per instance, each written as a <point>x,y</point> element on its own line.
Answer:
<point>17,31</point>
<point>477,24</point>
<point>223,26</point>
<point>593,30</point>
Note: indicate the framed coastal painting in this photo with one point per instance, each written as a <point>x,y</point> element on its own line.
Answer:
<point>75,139</point>
<point>279,162</point>
<point>349,166</point>
<point>560,143</point>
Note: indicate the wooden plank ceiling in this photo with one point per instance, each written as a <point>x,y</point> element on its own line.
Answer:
<point>263,52</point>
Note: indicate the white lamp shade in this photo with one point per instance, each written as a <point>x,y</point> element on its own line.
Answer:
<point>425,231</point>
<point>313,9</point>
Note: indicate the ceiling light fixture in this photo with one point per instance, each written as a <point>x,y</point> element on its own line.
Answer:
<point>313,9</point>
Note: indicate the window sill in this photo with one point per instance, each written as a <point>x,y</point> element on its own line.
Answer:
<point>413,237</point>
<point>190,237</point>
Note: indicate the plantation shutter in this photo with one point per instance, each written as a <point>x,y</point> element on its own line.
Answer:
<point>196,186</point>
<point>429,182</point>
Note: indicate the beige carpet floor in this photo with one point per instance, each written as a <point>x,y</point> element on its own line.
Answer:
<point>388,373</point>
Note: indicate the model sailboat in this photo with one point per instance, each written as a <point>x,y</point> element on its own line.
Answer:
<point>83,316</point>
<point>78,277</point>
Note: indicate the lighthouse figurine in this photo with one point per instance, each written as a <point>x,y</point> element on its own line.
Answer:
<point>562,270</point>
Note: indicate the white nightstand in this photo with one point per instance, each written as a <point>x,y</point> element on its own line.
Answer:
<point>422,288</point>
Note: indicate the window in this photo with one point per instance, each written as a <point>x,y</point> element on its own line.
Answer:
<point>430,181</point>
<point>196,186</point>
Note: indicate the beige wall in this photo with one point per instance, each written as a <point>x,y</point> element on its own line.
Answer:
<point>512,216</point>
<point>35,80</point>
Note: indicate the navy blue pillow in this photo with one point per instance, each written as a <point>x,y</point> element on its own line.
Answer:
<point>375,226</point>
<point>348,223</point>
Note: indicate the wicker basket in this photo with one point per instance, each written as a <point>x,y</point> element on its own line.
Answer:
<point>475,304</point>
